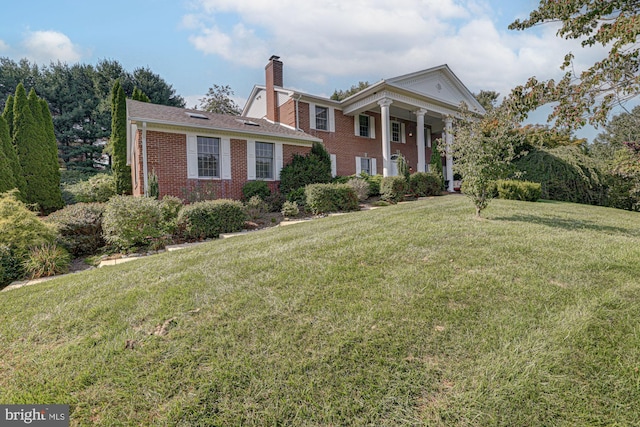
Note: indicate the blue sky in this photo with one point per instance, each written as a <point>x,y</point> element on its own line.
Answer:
<point>327,45</point>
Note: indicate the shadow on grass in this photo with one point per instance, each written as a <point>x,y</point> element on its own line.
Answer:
<point>568,224</point>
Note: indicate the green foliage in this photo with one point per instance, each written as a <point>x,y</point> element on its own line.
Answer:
<point>435,163</point>
<point>297,196</point>
<point>483,149</point>
<point>79,228</point>
<point>139,95</point>
<point>46,260</point>
<point>565,174</point>
<point>11,266</point>
<point>339,95</point>
<point>519,190</point>
<point>255,207</point>
<point>154,188</point>
<point>393,188</point>
<point>99,188</point>
<point>256,188</point>
<point>374,183</point>
<point>360,186</point>
<point>312,168</point>
<point>539,136</point>
<point>403,167</point>
<point>218,100</point>
<point>14,177</point>
<point>20,228</point>
<point>591,94</point>
<point>324,198</point>
<point>209,218</point>
<point>290,209</point>
<point>422,184</point>
<point>129,222</point>
<point>275,201</point>
<point>487,98</point>
<point>197,191</point>
<point>118,140</point>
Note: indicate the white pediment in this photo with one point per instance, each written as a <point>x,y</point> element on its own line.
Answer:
<point>438,84</point>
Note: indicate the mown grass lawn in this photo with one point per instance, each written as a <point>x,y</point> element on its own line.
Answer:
<point>416,314</point>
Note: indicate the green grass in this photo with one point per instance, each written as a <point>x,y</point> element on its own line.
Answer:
<point>416,314</point>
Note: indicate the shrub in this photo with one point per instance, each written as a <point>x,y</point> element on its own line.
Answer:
<point>154,187</point>
<point>20,228</point>
<point>290,209</point>
<point>393,188</point>
<point>47,260</point>
<point>422,184</point>
<point>130,222</point>
<point>10,266</point>
<point>170,207</point>
<point>361,187</point>
<point>519,190</point>
<point>97,189</point>
<point>297,196</point>
<point>322,198</point>
<point>209,218</point>
<point>256,188</point>
<point>275,201</point>
<point>312,168</point>
<point>374,183</point>
<point>197,191</point>
<point>79,227</point>
<point>255,207</point>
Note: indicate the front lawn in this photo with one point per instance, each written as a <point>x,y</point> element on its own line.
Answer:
<point>415,314</point>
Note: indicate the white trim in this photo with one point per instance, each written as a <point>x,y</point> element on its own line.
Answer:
<point>334,165</point>
<point>358,165</point>
<point>374,166</point>
<point>225,148</point>
<point>192,156</point>
<point>372,127</point>
<point>312,116</point>
<point>332,119</point>
<point>251,160</point>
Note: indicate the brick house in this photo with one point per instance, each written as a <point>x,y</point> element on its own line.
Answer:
<point>189,149</point>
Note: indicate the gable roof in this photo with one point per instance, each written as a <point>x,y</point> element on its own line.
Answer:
<point>174,116</point>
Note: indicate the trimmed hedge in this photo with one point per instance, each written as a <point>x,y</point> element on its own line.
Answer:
<point>519,190</point>
<point>209,218</point>
<point>393,188</point>
<point>256,188</point>
<point>423,184</point>
<point>79,227</point>
<point>130,222</point>
<point>323,198</point>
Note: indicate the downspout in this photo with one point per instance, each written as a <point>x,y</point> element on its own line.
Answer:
<point>145,167</point>
<point>297,113</point>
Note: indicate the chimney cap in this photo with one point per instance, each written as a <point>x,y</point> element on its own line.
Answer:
<point>274,58</point>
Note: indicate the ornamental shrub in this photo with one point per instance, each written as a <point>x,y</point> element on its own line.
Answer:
<point>131,222</point>
<point>323,198</point>
<point>361,187</point>
<point>46,260</point>
<point>423,184</point>
<point>256,188</point>
<point>209,218</point>
<point>297,196</point>
<point>290,209</point>
<point>374,183</point>
<point>255,207</point>
<point>170,207</point>
<point>312,168</point>
<point>10,266</point>
<point>97,189</point>
<point>20,228</point>
<point>393,188</point>
<point>519,190</point>
<point>79,228</point>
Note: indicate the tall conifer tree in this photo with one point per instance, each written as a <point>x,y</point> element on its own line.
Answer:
<point>8,114</point>
<point>9,150</point>
<point>52,165</point>
<point>121,171</point>
<point>7,182</point>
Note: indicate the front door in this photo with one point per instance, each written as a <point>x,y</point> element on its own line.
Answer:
<point>393,168</point>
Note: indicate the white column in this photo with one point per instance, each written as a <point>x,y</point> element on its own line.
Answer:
<point>386,136</point>
<point>448,123</point>
<point>420,140</point>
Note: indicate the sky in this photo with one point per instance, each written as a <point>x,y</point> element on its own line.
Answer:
<point>328,45</point>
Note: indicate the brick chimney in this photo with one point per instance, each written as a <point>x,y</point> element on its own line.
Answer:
<point>273,72</point>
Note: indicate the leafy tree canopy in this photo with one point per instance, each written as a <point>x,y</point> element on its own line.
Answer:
<point>487,98</point>
<point>339,95</point>
<point>613,80</point>
<point>218,100</point>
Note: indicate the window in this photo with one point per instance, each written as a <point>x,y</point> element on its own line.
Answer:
<point>208,157</point>
<point>264,160</point>
<point>396,135</point>
<point>365,165</point>
<point>322,118</point>
<point>364,126</point>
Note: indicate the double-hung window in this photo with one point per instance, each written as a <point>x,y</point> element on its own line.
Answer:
<point>264,160</point>
<point>208,157</point>
<point>396,129</point>
<point>365,165</point>
<point>364,126</point>
<point>322,118</point>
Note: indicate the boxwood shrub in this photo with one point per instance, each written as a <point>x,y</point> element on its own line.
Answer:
<point>209,218</point>
<point>131,222</point>
<point>422,184</point>
<point>79,228</point>
<point>393,188</point>
<point>323,198</point>
<point>519,190</point>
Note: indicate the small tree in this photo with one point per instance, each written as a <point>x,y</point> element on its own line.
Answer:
<point>313,168</point>
<point>218,100</point>
<point>483,150</point>
<point>121,171</point>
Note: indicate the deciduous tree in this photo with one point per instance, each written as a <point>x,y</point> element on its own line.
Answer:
<point>218,100</point>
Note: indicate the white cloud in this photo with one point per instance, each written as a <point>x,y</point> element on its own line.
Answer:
<point>45,46</point>
<point>3,46</point>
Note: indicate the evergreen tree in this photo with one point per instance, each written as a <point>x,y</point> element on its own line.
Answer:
<point>118,141</point>
<point>8,114</point>
<point>8,149</point>
<point>52,167</point>
<point>7,182</point>
<point>139,95</point>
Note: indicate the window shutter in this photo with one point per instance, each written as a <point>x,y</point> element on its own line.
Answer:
<point>226,158</point>
<point>374,168</point>
<point>278,159</point>
<point>334,166</point>
<point>372,127</point>
<point>251,160</point>
<point>312,115</point>
<point>358,166</point>
<point>356,125</point>
<point>403,136</point>
<point>192,156</point>
<point>332,119</point>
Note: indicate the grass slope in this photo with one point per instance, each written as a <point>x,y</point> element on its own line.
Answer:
<point>416,314</point>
